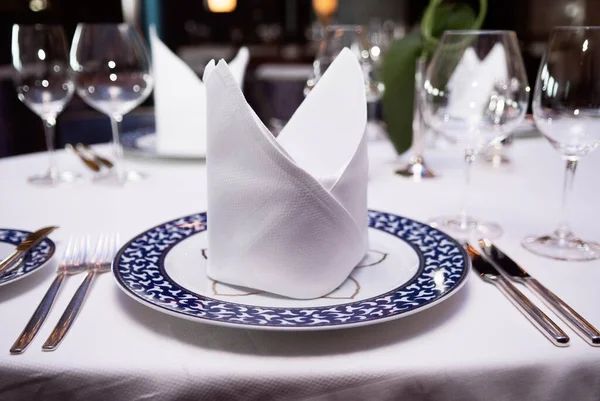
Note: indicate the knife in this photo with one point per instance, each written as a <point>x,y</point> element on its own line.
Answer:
<point>517,274</point>
<point>535,315</point>
<point>28,244</point>
<point>97,158</point>
<point>91,164</point>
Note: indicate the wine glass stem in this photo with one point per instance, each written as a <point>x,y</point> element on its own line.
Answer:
<point>115,122</point>
<point>464,217</point>
<point>49,126</point>
<point>564,229</point>
<point>418,126</point>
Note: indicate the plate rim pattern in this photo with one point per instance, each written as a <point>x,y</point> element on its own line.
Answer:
<point>199,225</point>
<point>36,258</point>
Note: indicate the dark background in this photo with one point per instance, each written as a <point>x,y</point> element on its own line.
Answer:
<point>187,24</point>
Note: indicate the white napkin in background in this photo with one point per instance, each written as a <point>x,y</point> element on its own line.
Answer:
<point>180,100</point>
<point>288,215</point>
<point>473,80</point>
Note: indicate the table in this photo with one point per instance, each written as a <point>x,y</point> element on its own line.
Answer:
<point>473,346</point>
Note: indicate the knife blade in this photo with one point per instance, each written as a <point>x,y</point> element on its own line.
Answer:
<point>30,242</point>
<point>516,273</point>
<point>535,315</point>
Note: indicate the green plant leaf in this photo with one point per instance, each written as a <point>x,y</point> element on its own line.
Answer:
<point>398,73</point>
<point>398,70</point>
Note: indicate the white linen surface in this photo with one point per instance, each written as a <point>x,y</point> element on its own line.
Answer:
<point>180,100</point>
<point>288,214</point>
<point>473,346</point>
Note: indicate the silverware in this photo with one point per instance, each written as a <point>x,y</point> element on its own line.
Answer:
<point>535,315</point>
<point>517,274</point>
<point>100,263</point>
<point>91,164</point>
<point>96,157</point>
<point>15,259</point>
<point>71,263</point>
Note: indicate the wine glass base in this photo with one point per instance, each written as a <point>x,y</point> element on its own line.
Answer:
<point>466,230</point>
<point>416,169</point>
<point>568,248</point>
<point>112,177</point>
<point>49,179</point>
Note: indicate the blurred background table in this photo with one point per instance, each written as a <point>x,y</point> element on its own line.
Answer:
<point>473,346</point>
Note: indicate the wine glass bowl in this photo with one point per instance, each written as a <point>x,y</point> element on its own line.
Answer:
<point>476,89</point>
<point>354,37</point>
<point>566,109</point>
<point>475,92</point>
<point>43,80</point>
<point>112,75</point>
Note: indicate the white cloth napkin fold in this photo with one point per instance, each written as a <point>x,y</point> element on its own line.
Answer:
<point>288,215</point>
<point>473,81</point>
<point>180,100</point>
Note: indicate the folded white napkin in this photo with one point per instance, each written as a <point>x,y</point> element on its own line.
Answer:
<point>473,80</point>
<point>288,215</point>
<point>180,100</point>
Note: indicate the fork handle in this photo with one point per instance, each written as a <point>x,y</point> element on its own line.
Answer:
<point>38,317</point>
<point>577,322</point>
<point>535,315</point>
<point>69,315</point>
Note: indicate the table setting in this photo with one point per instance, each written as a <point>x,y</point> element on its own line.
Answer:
<point>234,262</point>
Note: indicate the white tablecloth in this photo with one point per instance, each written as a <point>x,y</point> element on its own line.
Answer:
<point>473,346</point>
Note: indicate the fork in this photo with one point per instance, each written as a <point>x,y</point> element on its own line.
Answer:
<point>97,158</point>
<point>73,262</point>
<point>91,164</point>
<point>100,263</point>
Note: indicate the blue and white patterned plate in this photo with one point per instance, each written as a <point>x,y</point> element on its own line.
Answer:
<point>410,267</point>
<point>142,142</point>
<point>34,259</point>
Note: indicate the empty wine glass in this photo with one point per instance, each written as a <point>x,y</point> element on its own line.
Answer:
<point>354,37</point>
<point>566,109</point>
<point>112,74</point>
<point>475,93</point>
<point>416,168</point>
<point>44,83</point>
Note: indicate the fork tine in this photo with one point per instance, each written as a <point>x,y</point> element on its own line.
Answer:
<point>76,251</point>
<point>83,243</point>
<point>107,248</point>
<point>68,251</point>
<point>115,247</point>
<point>99,249</point>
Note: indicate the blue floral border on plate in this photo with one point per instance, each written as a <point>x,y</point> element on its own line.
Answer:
<point>35,259</point>
<point>139,269</point>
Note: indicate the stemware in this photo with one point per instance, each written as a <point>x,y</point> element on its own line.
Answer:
<point>566,109</point>
<point>44,83</point>
<point>475,92</point>
<point>416,168</point>
<point>354,37</point>
<point>112,75</point>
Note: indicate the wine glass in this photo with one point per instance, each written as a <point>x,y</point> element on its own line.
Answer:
<point>354,37</point>
<point>112,75</point>
<point>475,93</point>
<point>566,109</point>
<point>416,168</point>
<point>44,83</point>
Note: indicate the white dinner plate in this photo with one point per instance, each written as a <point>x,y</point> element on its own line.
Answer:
<point>142,142</point>
<point>34,259</point>
<point>410,267</point>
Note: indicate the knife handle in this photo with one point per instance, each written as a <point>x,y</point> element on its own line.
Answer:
<point>584,328</point>
<point>7,264</point>
<point>38,318</point>
<point>532,312</point>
